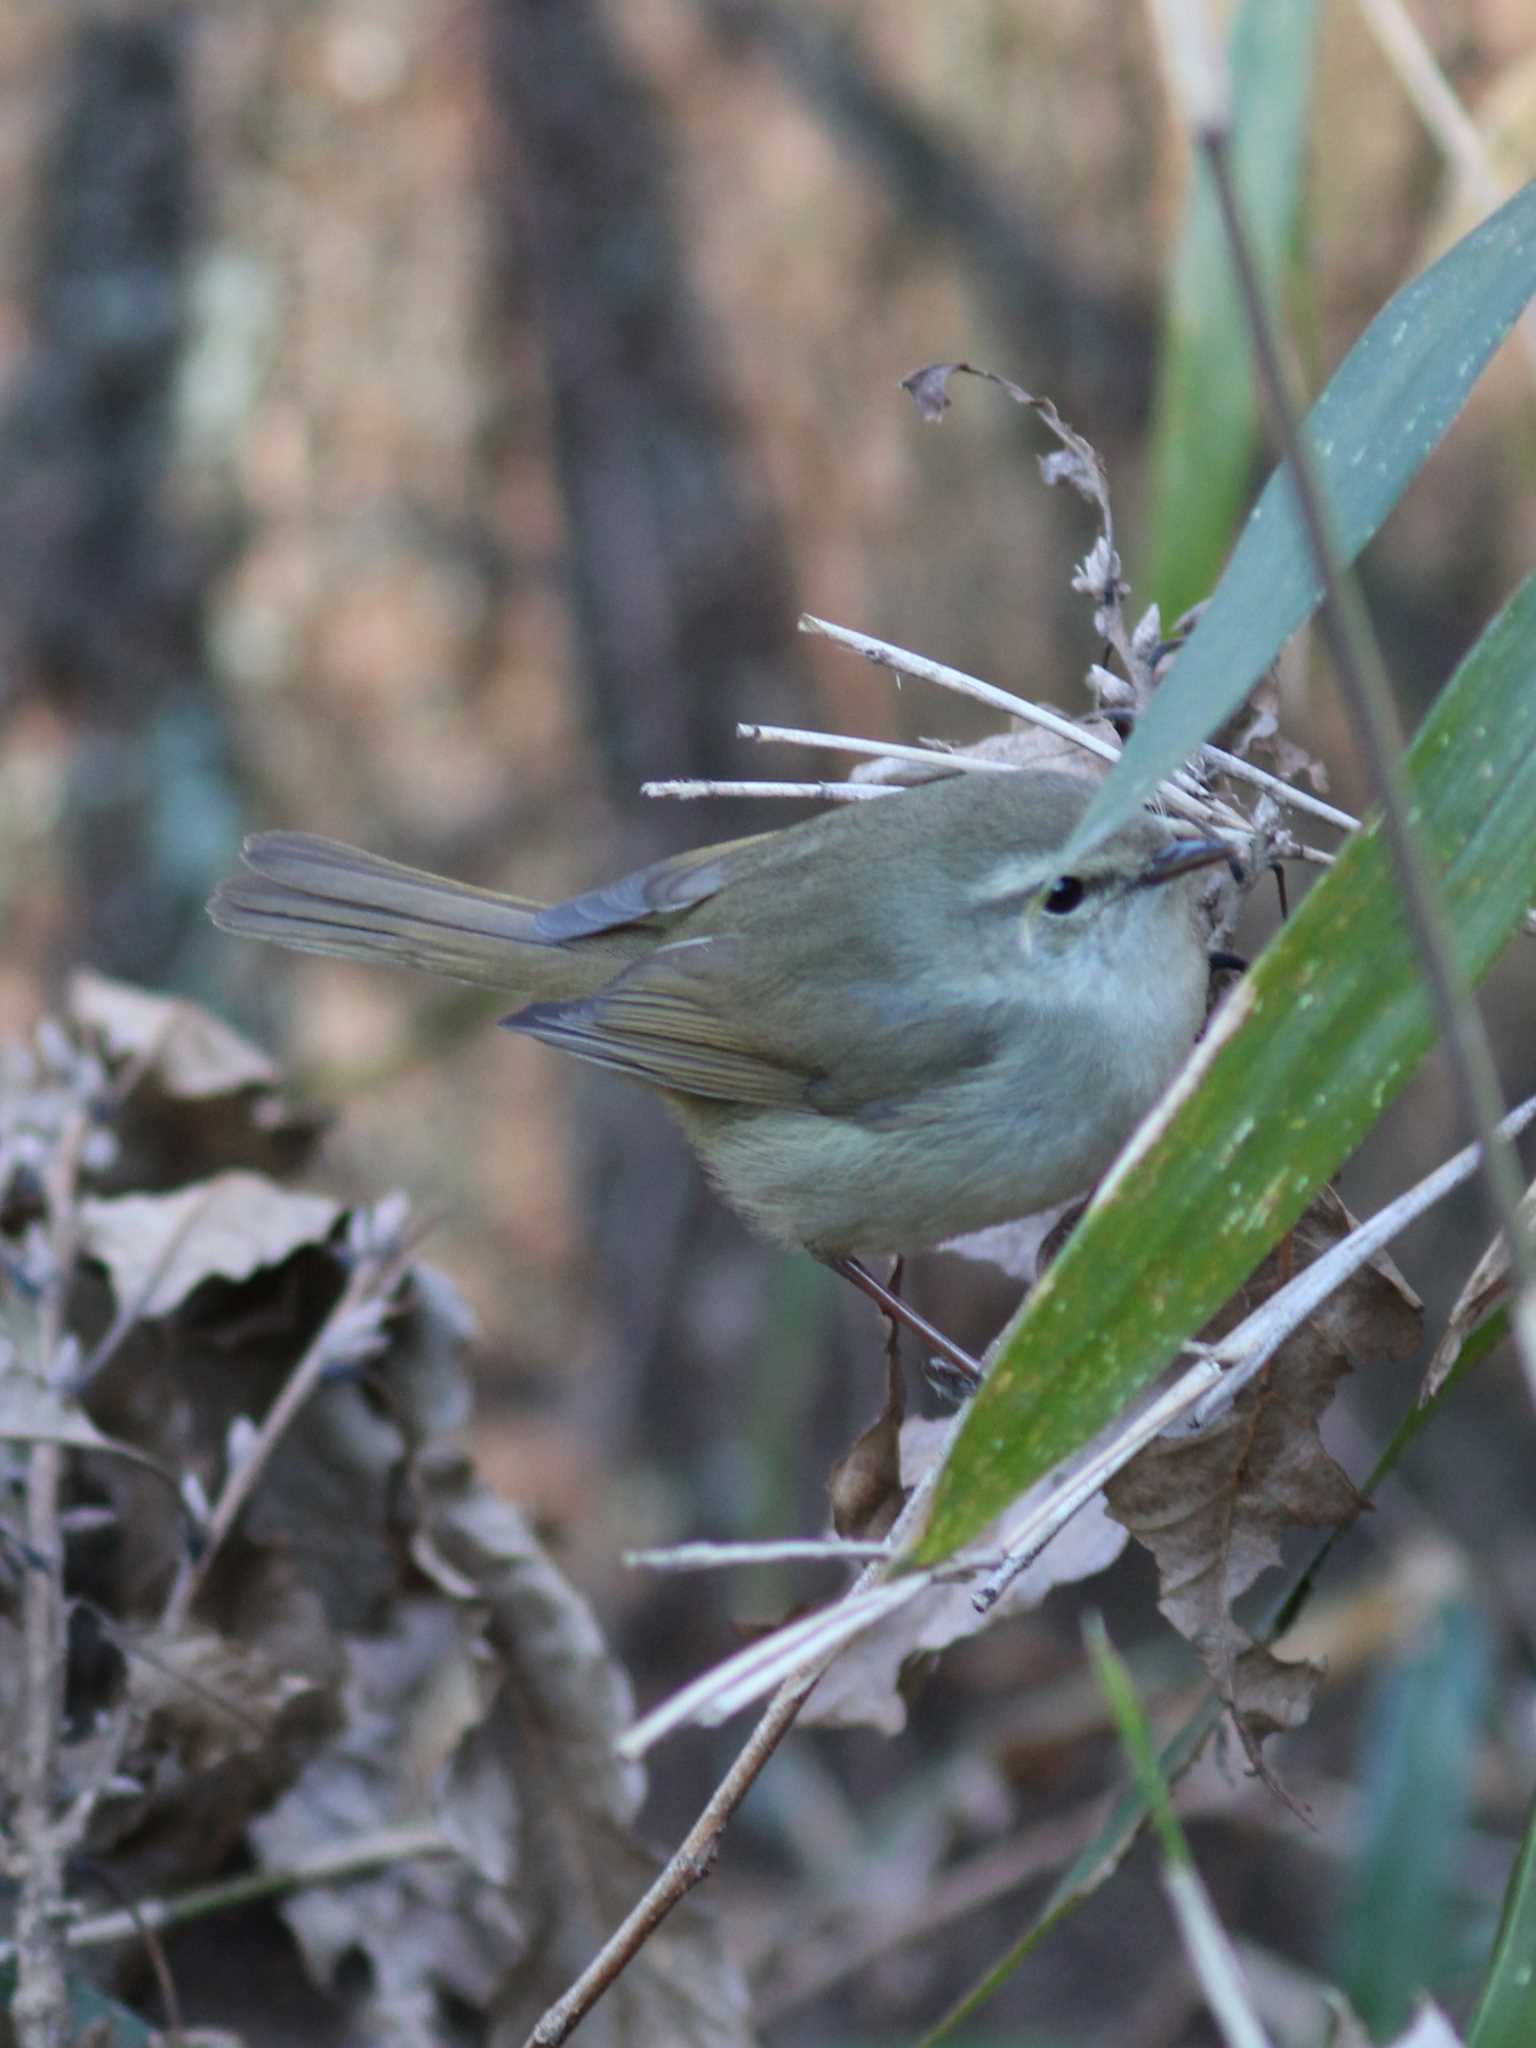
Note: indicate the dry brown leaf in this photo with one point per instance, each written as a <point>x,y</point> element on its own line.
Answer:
<point>1213,1507</point>
<point>864,1487</point>
<point>33,1412</point>
<point>869,1684</point>
<point>202,1096</point>
<point>158,1248</point>
<point>378,1639</point>
<point>215,1725</point>
<point>420,1930</point>
<point>1486,1287</point>
<point>1254,734</point>
<point>543,1756</point>
<point>191,1051</point>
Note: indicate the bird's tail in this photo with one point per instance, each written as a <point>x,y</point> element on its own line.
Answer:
<point>322,897</point>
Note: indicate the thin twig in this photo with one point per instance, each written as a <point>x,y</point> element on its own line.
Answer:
<point>688,789</point>
<point>705,1557</point>
<point>893,750</point>
<point>1283,792</point>
<point>691,1863</point>
<point>748,1676</point>
<point>41,2003</point>
<point>1367,691</point>
<point>154,1951</point>
<point>884,654</point>
<point>902,661</point>
<point>40,2007</point>
<point>380,1849</point>
<point>696,1853</point>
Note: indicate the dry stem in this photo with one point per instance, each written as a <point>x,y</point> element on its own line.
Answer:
<point>40,2009</point>
<point>696,1853</point>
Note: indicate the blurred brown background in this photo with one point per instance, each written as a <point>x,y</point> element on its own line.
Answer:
<point>421,422</point>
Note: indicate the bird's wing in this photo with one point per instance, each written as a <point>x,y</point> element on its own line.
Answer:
<point>701,1016</point>
<point>666,1021</point>
<point>663,889</point>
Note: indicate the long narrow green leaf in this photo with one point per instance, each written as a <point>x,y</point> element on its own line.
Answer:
<point>1395,1932</point>
<point>1386,407</point>
<point>1090,1868</point>
<point>1206,420</point>
<point>1506,2011</point>
<point>1323,1031</point>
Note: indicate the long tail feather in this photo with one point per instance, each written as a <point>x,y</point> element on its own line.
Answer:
<point>322,897</point>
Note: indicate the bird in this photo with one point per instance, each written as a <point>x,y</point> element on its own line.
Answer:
<point>881,1028</point>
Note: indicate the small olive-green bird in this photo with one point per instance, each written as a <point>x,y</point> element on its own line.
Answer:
<point>890,1025</point>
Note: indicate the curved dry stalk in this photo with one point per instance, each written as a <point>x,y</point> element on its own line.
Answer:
<point>40,2008</point>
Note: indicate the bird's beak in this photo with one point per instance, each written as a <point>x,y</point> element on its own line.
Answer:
<point>1183,856</point>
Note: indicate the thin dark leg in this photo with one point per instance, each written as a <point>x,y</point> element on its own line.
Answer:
<point>899,1311</point>
<point>892,1326</point>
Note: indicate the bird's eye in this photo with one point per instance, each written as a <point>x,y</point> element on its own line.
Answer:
<point>1064,895</point>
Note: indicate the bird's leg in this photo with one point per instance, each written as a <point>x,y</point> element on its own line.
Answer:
<point>891,1305</point>
<point>893,1323</point>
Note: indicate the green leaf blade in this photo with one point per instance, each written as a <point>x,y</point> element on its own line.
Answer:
<point>1388,404</point>
<point>1325,1028</point>
<point>1396,1934</point>
<point>1506,2009</point>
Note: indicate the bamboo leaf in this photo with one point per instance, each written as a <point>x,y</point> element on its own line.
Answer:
<point>1506,2011</point>
<point>1396,1933</point>
<point>1384,410</point>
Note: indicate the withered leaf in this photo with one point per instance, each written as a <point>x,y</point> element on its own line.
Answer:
<point>426,1928</point>
<point>378,1648</point>
<point>32,1411</point>
<point>549,1731</point>
<point>202,1097</point>
<point>190,1052</point>
<point>864,1487</point>
<point>867,1686</point>
<point>1486,1287</point>
<point>1077,463</point>
<point>1213,1507</point>
<point>214,1725</point>
<point>1254,734</point>
<point>157,1248</point>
